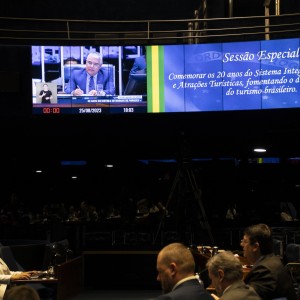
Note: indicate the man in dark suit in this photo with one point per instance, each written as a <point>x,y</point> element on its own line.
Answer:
<point>226,274</point>
<point>176,274</point>
<point>268,276</point>
<point>140,64</point>
<point>85,81</point>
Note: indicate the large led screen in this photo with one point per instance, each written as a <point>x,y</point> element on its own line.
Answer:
<point>171,78</point>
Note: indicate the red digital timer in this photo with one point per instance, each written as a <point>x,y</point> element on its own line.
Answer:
<point>51,110</point>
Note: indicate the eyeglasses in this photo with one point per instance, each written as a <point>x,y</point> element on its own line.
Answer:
<point>90,63</point>
<point>244,242</point>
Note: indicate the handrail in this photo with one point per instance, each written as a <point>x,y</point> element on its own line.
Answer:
<point>67,31</point>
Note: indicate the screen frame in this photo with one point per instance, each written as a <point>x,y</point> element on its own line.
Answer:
<point>161,94</point>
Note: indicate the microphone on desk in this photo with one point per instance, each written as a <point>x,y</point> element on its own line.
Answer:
<point>69,254</point>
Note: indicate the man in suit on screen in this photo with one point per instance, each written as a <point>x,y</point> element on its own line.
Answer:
<point>87,81</point>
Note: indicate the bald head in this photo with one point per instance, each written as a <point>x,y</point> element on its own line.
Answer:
<point>179,254</point>
<point>174,263</point>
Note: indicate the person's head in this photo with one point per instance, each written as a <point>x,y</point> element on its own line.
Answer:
<point>174,262</point>
<point>93,63</point>
<point>21,292</point>
<point>70,61</point>
<point>257,241</point>
<point>223,270</point>
<point>45,87</point>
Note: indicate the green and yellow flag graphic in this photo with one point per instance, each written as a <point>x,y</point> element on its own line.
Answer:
<point>155,79</point>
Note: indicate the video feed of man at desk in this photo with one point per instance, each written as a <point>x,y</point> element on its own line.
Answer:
<point>91,70</point>
<point>89,79</point>
<point>93,80</point>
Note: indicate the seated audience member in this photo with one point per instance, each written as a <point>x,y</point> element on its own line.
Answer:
<point>268,276</point>
<point>139,64</point>
<point>290,209</point>
<point>285,215</point>
<point>8,277</point>
<point>21,292</point>
<point>226,274</point>
<point>143,208</point>
<point>231,213</point>
<point>68,62</point>
<point>176,274</point>
<point>137,85</point>
<point>84,81</point>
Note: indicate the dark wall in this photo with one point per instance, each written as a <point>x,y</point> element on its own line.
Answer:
<point>101,10</point>
<point>136,9</point>
<point>132,269</point>
<point>15,81</point>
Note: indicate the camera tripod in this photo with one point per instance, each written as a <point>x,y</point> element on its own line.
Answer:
<point>185,184</point>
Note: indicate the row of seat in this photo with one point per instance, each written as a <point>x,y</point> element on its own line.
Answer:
<point>291,259</point>
<point>292,253</point>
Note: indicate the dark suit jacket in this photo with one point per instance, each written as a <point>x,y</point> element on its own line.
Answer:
<point>139,65</point>
<point>79,77</point>
<point>271,279</point>
<point>188,290</point>
<point>239,290</point>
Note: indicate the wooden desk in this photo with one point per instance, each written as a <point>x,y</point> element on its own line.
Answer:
<point>202,258</point>
<point>45,281</point>
<point>68,282</point>
<point>70,278</point>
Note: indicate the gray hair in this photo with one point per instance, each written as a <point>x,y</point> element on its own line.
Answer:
<point>226,261</point>
<point>96,55</point>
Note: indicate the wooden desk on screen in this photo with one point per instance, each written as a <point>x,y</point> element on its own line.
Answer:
<point>68,282</point>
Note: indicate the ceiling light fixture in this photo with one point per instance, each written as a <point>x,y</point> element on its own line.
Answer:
<point>260,150</point>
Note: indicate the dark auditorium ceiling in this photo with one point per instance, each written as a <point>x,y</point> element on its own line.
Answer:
<point>136,9</point>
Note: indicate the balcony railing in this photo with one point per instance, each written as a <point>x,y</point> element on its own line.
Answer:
<point>188,31</point>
